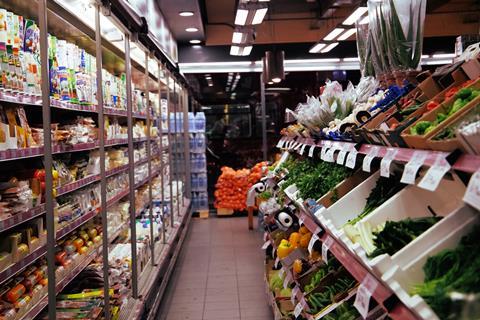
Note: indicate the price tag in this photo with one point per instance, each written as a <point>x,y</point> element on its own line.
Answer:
<point>295,291</point>
<point>301,219</point>
<point>265,236</point>
<point>435,174</point>
<point>298,146</point>
<point>287,280</point>
<point>277,261</point>
<point>412,167</point>
<point>313,239</point>
<point>323,152</point>
<point>291,145</point>
<point>367,161</point>
<point>302,149</point>
<point>310,152</point>
<point>364,293</point>
<point>266,244</point>
<point>298,310</point>
<point>472,195</point>
<point>329,155</point>
<point>325,247</point>
<point>281,272</point>
<point>351,159</point>
<point>387,161</point>
<point>342,154</point>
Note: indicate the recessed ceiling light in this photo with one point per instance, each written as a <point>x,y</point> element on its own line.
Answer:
<point>192,29</point>
<point>329,47</point>
<point>196,46</point>
<point>333,34</point>
<point>185,13</point>
<point>360,11</point>
<point>195,41</point>
<point>347,34</point>
<point>276,80</point>
<point>270,82</point>
<point>316,48</point>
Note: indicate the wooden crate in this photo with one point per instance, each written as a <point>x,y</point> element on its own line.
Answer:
<point>224,212</point>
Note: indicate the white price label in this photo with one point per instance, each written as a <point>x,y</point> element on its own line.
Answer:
<point>364,293</point>
<point>298,310</point>
<point>310,152</point>
<point>281,272</point>
<point>323,152</point>
<point>266,244</point>
<point>367,161</point>
<point>313,239</point>
<point>387,161</point>
<point>298,146</point>
<point>277,261</point>
<point>295,291</point>
<point>329,155</point>
<point>325,247</point>
<point>302,149</point>
<point>341,156</point>
<point>412,167</point>
<point>280,143</point>
<point>301,219</point>
<point>351,159</point>
<point>287,280</point>
<point>435,174</point>
<point>472,195</point>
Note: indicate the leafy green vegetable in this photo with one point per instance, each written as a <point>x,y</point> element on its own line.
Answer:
<point>397,234</point>
<point>265,195</point>
<point>319,300</point>
<point>345,311</point>
<point>322,271</point>
<point>452,270</point>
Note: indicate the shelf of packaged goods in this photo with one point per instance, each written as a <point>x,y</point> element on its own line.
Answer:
<point>62,283</point>
<point>145,180</point>
<point>20,97</point>
<point>77,223</point>
<point>382,294</point>
<point>138,115</point>
<point>21,217</point>
<point>115,142</point>
<point>65,105</point>
<point>119,231</point>
<point>22,264</point>
<point>117,170</point>
<point>77,184</point>
<point>465,162</point>
<point>114,112</point>
<point>64,148</point>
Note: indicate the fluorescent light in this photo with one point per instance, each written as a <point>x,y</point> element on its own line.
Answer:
<point>270,82</point>
<point>360,11</point>
<point>316,48</point>
<point>365,20</point>
<point>196,46</point>
<point>259,15</point>
<point>425,56</point>
<point>241,17</point>
<point>240,51</point>
<point>438,62</point>
<point>443,55</point>
<point>276,80</point>
<point>237,37</point>
<point>278,89</point>
<point>185,13</point>
<point>314,60</point>
<point>195,41</point>
<point>351,59</point>
<point>329,47</point>
<point>347,34</point>
<point>333,34</point>
<point>191,29</point>
<point>247,50</point>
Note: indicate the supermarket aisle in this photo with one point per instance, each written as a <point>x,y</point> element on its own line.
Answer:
<point>219,274</point>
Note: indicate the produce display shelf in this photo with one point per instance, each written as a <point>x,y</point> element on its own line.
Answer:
<point>465,162</point>
<point>329,309</point>
<point>22,217</point>
<point>61,284</point>
<point>277,315</point>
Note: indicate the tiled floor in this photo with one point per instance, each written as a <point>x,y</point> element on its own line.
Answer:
<point>219,274</point>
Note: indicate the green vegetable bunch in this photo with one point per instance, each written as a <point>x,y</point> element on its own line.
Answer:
<point>319,300</point>
<point>452,270</point>
<point>323,270</point>
<point>384,189</point>
<point>345,311</point>
<point>397,234</point>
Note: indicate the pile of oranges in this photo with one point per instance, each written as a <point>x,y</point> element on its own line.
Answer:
<point>232,186</point>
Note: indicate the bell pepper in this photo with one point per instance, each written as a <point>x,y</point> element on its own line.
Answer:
<point>457,105</point>
<point>284,249</point>
<point>464,93</point>
<point>294,239</point>
<point>305,240</point>
<point>432,105</point>
<point>450,93</point>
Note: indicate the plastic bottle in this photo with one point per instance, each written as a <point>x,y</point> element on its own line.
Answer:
<point>200,122</point>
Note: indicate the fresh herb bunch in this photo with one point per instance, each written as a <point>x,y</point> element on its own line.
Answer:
<point>384,189</point>
<point>397,234</point>
<point>452,270</point>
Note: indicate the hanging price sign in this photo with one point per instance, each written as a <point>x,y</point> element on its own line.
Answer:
<point>295,291</point>
<point>277,261</point>
<point>343,154</point>
<point>367,161</point>
<point>302,149</point>
<point>435,174</point>
<point>412,167</point>
<point>329,155</point>
<point>280,143</point>
<point>323,152</point>
<point>325,247</point>
<point>310,152</point>
<point>364,293</point>
<point>266,244</point>
<point>351,159</point>
<point>313,239</point>
<point>287,280</point>
<point>472,195</point>
<point>387,161</point>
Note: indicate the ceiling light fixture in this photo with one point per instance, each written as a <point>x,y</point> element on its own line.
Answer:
<point>191,29</point>
<point>333,34</point>
<point>186,13</point>
<point>237,37</point>
<point>236,50</point>
<point>195,41</point>
<point>347,34</point>
<point>360,11</point>
<point>250,13</point>
<point>317,47</point>
<point>329,47</point>
<point>443,55</point>
<point>276,80</point>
